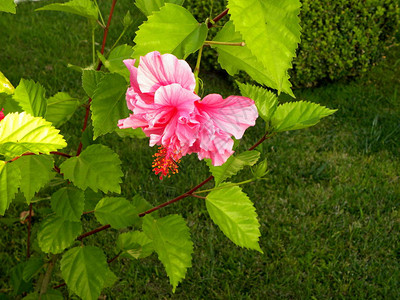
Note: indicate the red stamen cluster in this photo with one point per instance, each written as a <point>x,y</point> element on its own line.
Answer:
<point>165,162</point>
<point>1,114</point>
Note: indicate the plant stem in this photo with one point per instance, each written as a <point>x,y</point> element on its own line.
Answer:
<point>30,153</point>
<point>225,186</point>
<point>242,44</point>
<point>28,242</point>
<point>98,229</point>
<point>47,276</point>
<point>217,18</point>
<point>197,70</point>
<point>120,36</point>
<point>100,14</point>
<point>93,46</point>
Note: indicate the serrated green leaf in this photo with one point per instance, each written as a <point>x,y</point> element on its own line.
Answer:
<point>172,243</point>
<point>110,279</point>
<point>109,104</point>
<point>97,167</point>
<point>9,104</point>
<point>235,215</point>
<point>18,283</point>
<point>36,171</point>
<point>114,62</point>
<point>31,97</point>
<point>265,100</point>
<point>90,80</point>
<point>173,29</point>
<point>21,133</point>
<point>5,85</point>
<point>68,203</point>
<point>135,244</point>
<point>118,212</point>
<point>298,115</point>
<point>60,108</point>
<point>8,6</point>
<point>52,294</point>
<point>85,271</point>
<point>84,8</point>
<point>147,7</point>
<point>233,165</point>
<point>271,30</point>
<point>56,234</point>
<point>32,267</point>
<point>239,58</point>
<point>10,180</point>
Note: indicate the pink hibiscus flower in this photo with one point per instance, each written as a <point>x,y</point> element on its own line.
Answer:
<point>2,114</point>
<point>163,103</point>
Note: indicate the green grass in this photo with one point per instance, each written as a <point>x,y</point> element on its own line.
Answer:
<point>329,213</point>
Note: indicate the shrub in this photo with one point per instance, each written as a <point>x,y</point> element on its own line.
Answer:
<point>340,38</point>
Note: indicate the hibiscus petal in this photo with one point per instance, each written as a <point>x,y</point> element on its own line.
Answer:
<point>219,149</point>
<point>176,97</point>
<point>232,115</point>
<point>157,70</point>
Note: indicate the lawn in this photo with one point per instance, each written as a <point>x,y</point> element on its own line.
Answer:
<point>329,212</point>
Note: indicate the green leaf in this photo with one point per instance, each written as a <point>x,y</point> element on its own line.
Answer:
<point>97,167</point>
<point>18,283</point>
<point>60,108</point>
<point>84,8</point>
<point>109,104</point>
<point>127,21</point>
<point>271,30</point>
<point>147,7</point>
<point>110,279</point>
<point>5,85</point>
<point>10,180</point>
<point>298,115</point>
<point>118,212</point>
<point>21,133</point>
<point>68,203</point>
<point>52,294</point>
<point>9,104</point>
<point>32,267</point>
<point>90,80</point>
<point>91,199</point>
<point>56,234</point>
<point>8,6</point>
<point>135,244</point>
<point>31,97</point>
<point>171,241</point>
<point>235,215</point>
<point>36,171</point>
<point>233,165</point>
<point>85,271</point>
<point>265,100</point>
<point>114,62</point>
<point>173,29</point>
<point>132,133</point>
<point>239,58</point>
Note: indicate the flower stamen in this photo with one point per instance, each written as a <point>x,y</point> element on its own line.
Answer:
<point>166,162</point>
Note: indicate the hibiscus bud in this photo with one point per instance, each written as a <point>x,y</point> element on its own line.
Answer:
<point>261,169</point>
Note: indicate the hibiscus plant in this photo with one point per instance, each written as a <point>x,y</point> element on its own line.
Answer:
<point>147,91</point>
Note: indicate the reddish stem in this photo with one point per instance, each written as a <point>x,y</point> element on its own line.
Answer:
<point>98,229</point>
<point>79,150</point>
<point>28,243</point>
<point>217,18</point>
<point>30,153</point>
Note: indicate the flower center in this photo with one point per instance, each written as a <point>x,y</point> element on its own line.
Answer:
<point>166,161</point>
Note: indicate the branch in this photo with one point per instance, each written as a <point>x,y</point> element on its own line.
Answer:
<point>217,18</point>
<point>98,229</point>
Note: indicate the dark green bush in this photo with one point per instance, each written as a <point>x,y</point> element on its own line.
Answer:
<point>340,38</point>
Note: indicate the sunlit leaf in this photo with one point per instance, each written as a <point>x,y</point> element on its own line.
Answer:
<point>149,6</point>
<point>8,6</point>
<point>235,215</point>
<point>172,243</point>
<point>97,167</point>
<point>173,30</point>
<point>271,30</point>
<point>31,97</point>
<point>84,8</point>
<point>298,115</point>
<point>21,133</point>
<point>5,84</point>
